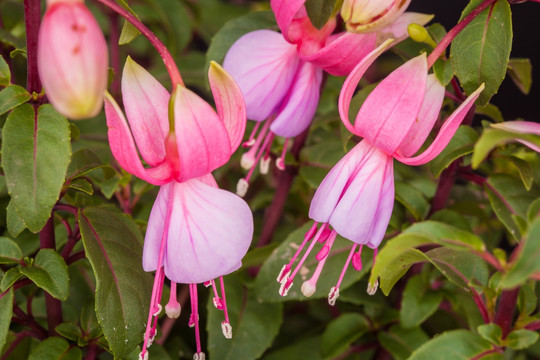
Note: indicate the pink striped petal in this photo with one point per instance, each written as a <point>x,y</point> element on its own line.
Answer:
<point>285,11</point>
<point>300,104</point>
<point>364,209</point>
<point>343,52</point>
<point>201,137</point>
<point>264,65</point>
<point>429,113</point>
<point>347,91</point>
<point>333,186</point>
<point>229,102</point>
<point>397,29</point>
<point>124,150</point>
<point>391,109</point>
<point>521,127</point>
<point>445,134</point>
<point>209,232</point>
<point>146,103</point>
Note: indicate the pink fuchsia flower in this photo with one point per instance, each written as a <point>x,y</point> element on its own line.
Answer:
<point>185,239</point>
<point>521,127</point>
<point>371,15</point>
<point>356,198</point>
<point>280,74</point>
<point>72,59</point>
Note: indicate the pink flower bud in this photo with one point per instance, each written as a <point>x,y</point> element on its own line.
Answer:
<point>371,15</point>
<point>72,59</point>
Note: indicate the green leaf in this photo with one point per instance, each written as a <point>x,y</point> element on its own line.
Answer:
<point>527,300</point>
<point>490,138</point>
<point>55,348</point>
<point>128,34</point>
<point>525,171</point>
<point>412,199</point>
<point>267,287</point>
<point>82,162</point>
<point>49,272</point>
<point>521,339</point>
<point>11,97</point>
<point>418,302</point>
<point>14,221</point>
<point>35,157</point>
<point>526,262</point>
<point>520,71</point>
<point>302,349</point>
<point>401,342</point>
<point>491,332</point>
<point>9,39</point>
<point>490,111</point>
<point>82,185</point>
<point>341,332</point>
<point>233,30</point>
<point>481,51</point>
<point>319,11</point>
<point>9,278</point>
<point>254,323</point>
<point>113,245</point>
<point>178,22</point>
<point>320,158</point>
<point>444,71</point>
<point>5,74</point>
<point>452,345</point>
<point>461,144</point>
<point>257,256</point>
<point>10,252</point>
<point>69,330</point>
<point>534,210</point>
<point>6,311</point>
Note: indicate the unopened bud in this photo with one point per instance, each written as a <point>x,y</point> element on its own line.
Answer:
<point>72,59</point>
<point>419,34</point>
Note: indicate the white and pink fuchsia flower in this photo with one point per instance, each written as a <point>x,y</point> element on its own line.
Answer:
<point>356,198</point>
<point>196,231</point>
<point>280,75</point>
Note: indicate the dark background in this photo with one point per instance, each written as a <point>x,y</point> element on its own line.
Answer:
<point>526,27</point>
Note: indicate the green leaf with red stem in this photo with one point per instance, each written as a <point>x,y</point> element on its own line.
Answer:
<point>5,73</point>
<point>520,71</point>
<point>341,332</point>
<point>55,348</point>
<point>10,252</point>
<point>6,311</point>
<point>11,97</point>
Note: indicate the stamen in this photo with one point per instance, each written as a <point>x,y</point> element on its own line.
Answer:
<point>226,328</point>
<point>267,142</point>
<point>225,311</point>
<point>310,286</point>
<point>251,139</point>
<point>143,356</point>
<point>199,356</point>
<point>334,291</point>
<point>157,310</point>
<point>280,162</point>
<point>173,309</point>
<point>249,158</point>
<point>286,270</point>
<point>264,165</point>
<point>324,236</point>
<point>286,285</point>
<point>207,283</point>
<point>357,259</point>
<point>242,187</point>
<point>195,316</point>
<point>372,288</point>
<point>216,300</point>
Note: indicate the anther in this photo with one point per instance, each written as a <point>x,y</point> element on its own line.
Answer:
<point>333,295</point>
<point>242,187</point>
<point>143,356</point>
<point>284,273</point>
<point>372,288</point>
<point>173,310</point>
<point>226,328</point>
<point>285,287</point>
<point>199,356</point>
<point>308,288</point>
<point>217,303</point>
<point>157,310</point>
<point>264,165</point>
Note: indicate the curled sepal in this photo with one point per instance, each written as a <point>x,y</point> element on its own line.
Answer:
<point>445,134</point>
<point>146,104</point>
<point>230,104</point>
<point>285,11</point>
<point>124,150</point>
<point>351,82</point>
<point>201,137</point>
<point>206,231</point>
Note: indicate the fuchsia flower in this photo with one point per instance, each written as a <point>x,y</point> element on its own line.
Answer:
<point>72,59</point>
<point>280,74</point>
<point>196,231</point>
<point>357,196</point>
<point>371,15</point>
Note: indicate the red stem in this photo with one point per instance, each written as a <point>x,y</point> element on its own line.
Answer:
<point>441,47</point>
<point>505,311</point>
<point>32,16</point>
<point>174,74</point>
<point>29,321</point>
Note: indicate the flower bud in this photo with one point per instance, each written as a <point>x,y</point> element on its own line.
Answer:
<point>72,59</point>
<point>363,16</point>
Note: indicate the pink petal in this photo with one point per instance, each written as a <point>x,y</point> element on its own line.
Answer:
<point>429,113</point>
<point>124,150</point>
<point>445,134</point>
<point>285,11</point>
<point>364,210</point>
<point>210,232</point>
<point>264,65</point>
<point>229,102</point>
<point>521,127</point>
<point>201,137</point>
<point>371,15</point>
<point>300,104</point>
<point>343,52</point>
<point>146,103</point>
<point>397,29</point>
<point>72,60</point>
<point>391,109</point>
<point>335,183</point>
<point>347,91</point>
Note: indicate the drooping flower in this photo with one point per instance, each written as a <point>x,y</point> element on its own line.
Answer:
<point>196,232</point>
<point>356,198</point>
<point>371,15</point>
<point>280,74</point>
<point>72,59</point>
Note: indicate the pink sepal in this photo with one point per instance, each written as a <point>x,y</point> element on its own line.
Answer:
<point>124,150</point>
<point>285,11</point>
<point>445,134</point>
